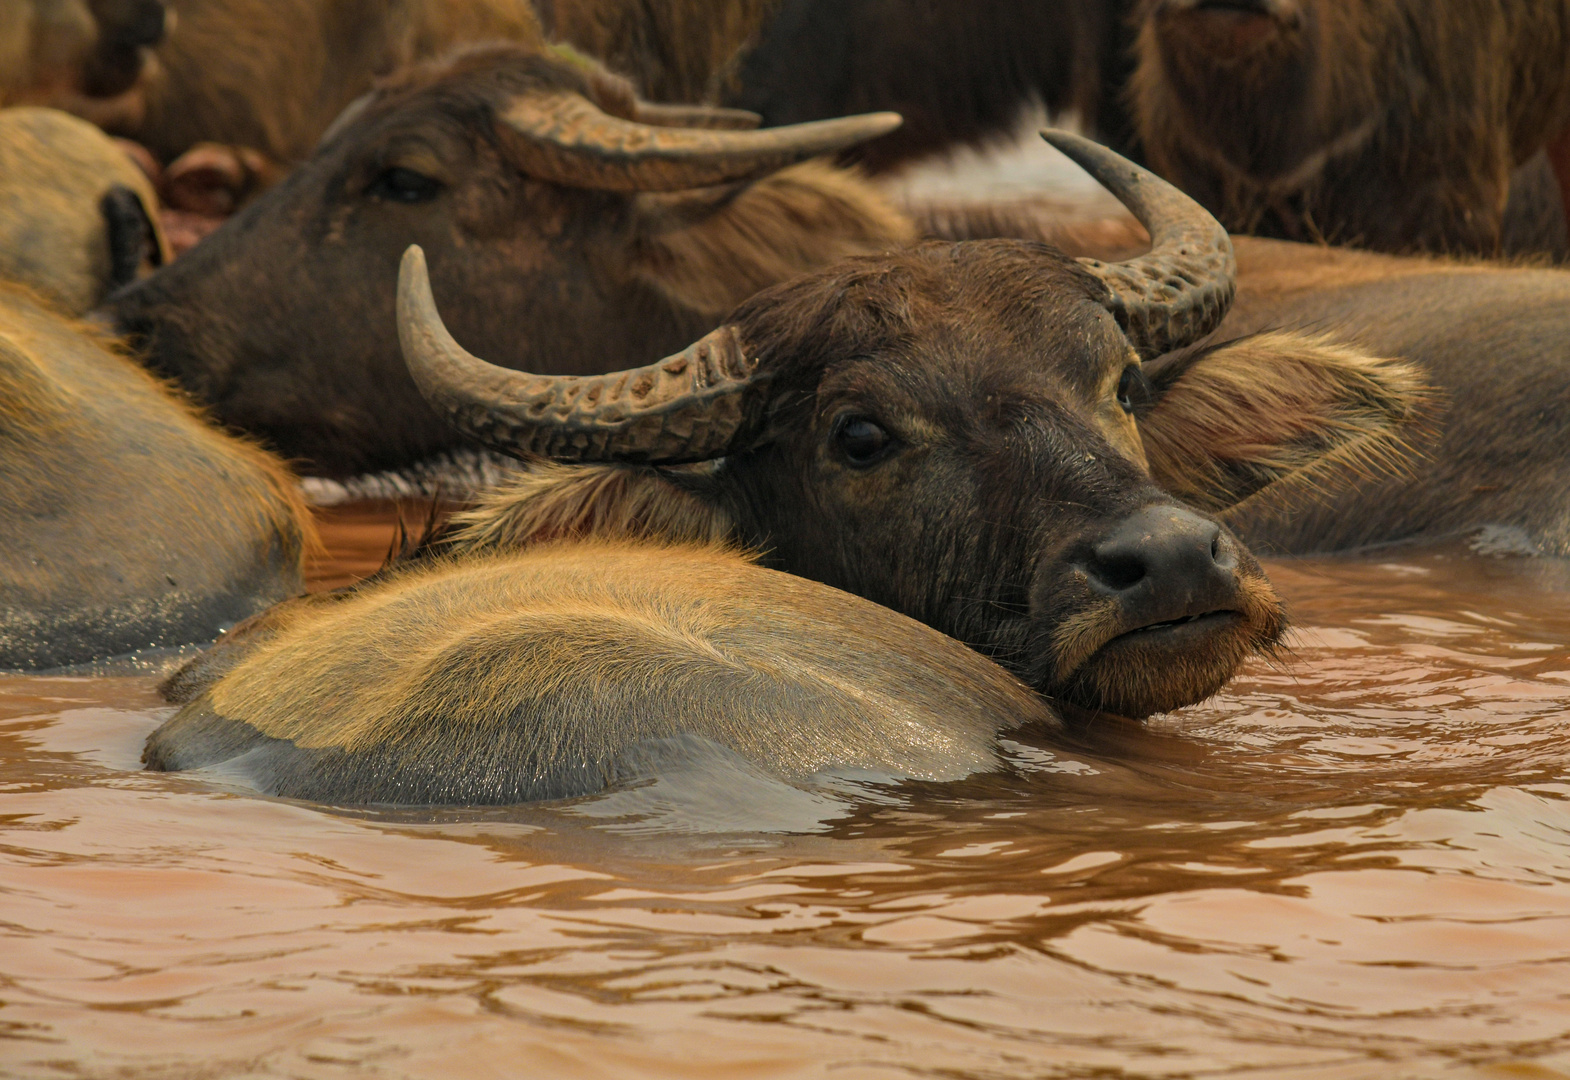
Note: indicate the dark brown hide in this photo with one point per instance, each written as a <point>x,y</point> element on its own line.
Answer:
<point>671,49</point>
<point>959,72</point>
<point>283,320</point>
<point>1388,124</point>
<point>950,431</point>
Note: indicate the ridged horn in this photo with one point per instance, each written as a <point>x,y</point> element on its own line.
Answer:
<point>566,138</point>
<point>693,406</point>
<point>1181,289</point>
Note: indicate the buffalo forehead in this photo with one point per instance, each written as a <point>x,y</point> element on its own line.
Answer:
<point>987,365</point>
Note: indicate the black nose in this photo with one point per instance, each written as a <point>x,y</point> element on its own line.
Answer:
<point>1165,561</point>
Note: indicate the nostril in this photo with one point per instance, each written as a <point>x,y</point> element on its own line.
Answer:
<point>1215,546</point>
<point>1117,571</point>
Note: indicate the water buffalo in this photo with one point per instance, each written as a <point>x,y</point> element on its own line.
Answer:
<point>88,56</point>
<point>957,72</point>
<point>126,520</point>
<point>1390,124</point>
<point>273,74</point>
<point>950,431</point>
<point>77,217</point>
<point>550,673</point>
<point>549,199</point>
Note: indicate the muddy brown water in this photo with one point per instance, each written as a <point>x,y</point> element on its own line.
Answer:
<point>1352,863</point>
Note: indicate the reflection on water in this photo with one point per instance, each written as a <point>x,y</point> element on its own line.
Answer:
<point>1352,864</point>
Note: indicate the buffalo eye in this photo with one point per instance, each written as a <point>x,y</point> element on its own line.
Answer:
<point>1133,389</point>
<point>861,442</point>
<point>398,184</point>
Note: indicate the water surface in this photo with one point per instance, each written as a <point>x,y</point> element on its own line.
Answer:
<point>1355,863</point>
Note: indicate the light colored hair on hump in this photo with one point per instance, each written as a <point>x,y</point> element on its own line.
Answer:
<point>1283,415</point>
<point>554,502</point>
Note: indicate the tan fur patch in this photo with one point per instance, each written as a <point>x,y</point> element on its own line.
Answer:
<point>273,74</point>
<point>553,502</point>
<point>1081,634</point>
<point>54,173</point>
<point>575,650</point>
<point>86,388</point>
<point>1277,409</point>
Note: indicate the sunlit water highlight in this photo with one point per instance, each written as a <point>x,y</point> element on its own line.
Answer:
<point>1352,864</point>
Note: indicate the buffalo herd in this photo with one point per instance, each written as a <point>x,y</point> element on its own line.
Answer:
<point>807,476</point>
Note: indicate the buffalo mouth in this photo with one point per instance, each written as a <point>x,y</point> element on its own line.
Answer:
<point>1182,629</point>
<point>1163,665</point>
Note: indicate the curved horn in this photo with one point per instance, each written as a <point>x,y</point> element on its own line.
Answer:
<point>568,139</point>
<point>693,406</point>
<point>709,117</point>
<point>1181,289</point>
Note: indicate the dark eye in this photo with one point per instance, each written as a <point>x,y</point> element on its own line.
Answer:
<point>861,442</point>
<point>1133,389</point>
<point>404,185</point>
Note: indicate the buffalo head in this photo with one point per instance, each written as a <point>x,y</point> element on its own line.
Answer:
<point>547,197</point>
<point>955,431</point>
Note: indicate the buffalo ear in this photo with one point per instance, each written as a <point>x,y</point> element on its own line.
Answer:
<point>710,249</point>
<point>548,502</point>
<point>1292,412</point>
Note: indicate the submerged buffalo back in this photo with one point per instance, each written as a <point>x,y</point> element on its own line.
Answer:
<point>126,520</point>
<point>529,675</point>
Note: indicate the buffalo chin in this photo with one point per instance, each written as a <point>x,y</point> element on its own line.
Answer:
<point>1165,666</point>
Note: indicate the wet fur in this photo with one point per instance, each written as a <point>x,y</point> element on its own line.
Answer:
<point>1097,682</point>
<point>963,553</point>
<point>532,675</point>
<point>126,519</point>
<point>1489,444</point>
<point>550,502</point>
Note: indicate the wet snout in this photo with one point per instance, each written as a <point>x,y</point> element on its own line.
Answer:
<point>1165,565</point>
<point>1155,611</point>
